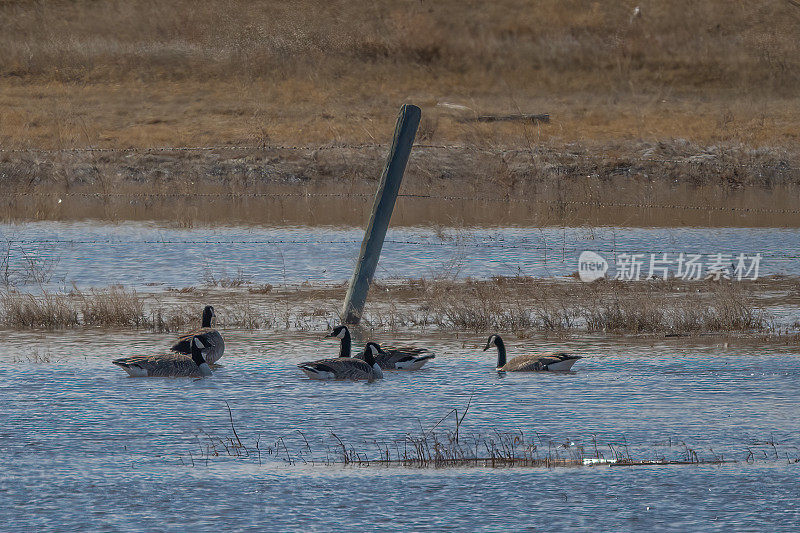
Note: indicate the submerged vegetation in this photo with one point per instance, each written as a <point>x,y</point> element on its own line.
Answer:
<point>458,447</point>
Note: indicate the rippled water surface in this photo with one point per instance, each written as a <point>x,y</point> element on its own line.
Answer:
<point>84,447</point>
<point>139,255</point>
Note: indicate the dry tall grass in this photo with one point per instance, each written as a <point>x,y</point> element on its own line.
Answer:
<point>549,45</point>
<point>138,73</point>
<point>524,304</point>
<point>519,305</point>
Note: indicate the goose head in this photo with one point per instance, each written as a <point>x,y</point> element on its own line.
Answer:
<point>340,332</point>
<point>371,352</point>
<point>208,314</point>
<point>495,340</point>
<point>343,334</point>
<point>492,341</point>
<point>197,356</point>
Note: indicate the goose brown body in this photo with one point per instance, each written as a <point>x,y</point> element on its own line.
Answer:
<point>401,357</point>
<point>537,362</point>
<point>211,338</point>
<point>345,367</point>
<point>168,364</point>
<point>540,362</point>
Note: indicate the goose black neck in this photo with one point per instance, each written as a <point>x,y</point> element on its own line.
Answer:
<point>207,314</point>
<point>345,347</point>
<point>501,352</point>
<point>368,357</point>
<point>197,355</point>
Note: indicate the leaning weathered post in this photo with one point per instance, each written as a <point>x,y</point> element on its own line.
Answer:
<point>404,132</point>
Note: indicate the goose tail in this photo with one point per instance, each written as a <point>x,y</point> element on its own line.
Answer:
<point>565,365</point>
<point>415,363</point>
<point>315,372</point>
<point>132,369</point>
<point>182,346</point>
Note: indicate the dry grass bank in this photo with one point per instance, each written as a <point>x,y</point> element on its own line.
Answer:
<point>682,79</point>
<point>518,305</point>
<point>144,73</point>
<point>650,184</point>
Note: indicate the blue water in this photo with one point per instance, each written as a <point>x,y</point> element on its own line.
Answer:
<point>140,255</point>
<point>86,448</point>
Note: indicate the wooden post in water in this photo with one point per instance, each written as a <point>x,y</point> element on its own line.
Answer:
<point>392,177</point>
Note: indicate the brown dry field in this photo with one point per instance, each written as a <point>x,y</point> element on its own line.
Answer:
<point>682,81</point>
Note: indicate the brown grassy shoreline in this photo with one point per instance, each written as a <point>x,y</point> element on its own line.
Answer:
<point>662,184</point>
<point>518,305</point>
<point>710,84</point>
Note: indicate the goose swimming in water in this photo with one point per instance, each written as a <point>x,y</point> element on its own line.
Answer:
<point>389,357</point>
<point>554,362</point>
<point>209,336</point>
<point>168,364</point>
<point>401,357</point>
<point>346,367</point>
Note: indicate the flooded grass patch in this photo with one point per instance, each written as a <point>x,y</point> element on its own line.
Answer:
<point>114,308</point>
<point>520,304</point>
<point>437,448</point>
<point>516,305</point>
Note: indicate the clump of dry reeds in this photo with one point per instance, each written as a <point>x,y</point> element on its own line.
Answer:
<point>48,311</point>
<point>520,304</point>
<point>117,307</point>
<point>516,304</point>
<point>725,310</point>
<point>112,308</point>
<point>224,280</point>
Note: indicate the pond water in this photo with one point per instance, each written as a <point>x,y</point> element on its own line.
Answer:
<point>139,255</point>
<point>85,447</point>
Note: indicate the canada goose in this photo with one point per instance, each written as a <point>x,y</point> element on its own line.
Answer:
<point>388,357</point>
<point>558,362</point>
<point>168,364</point>
<point>346,367</point>
<point>401,357</point>
<point>215,346</point>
